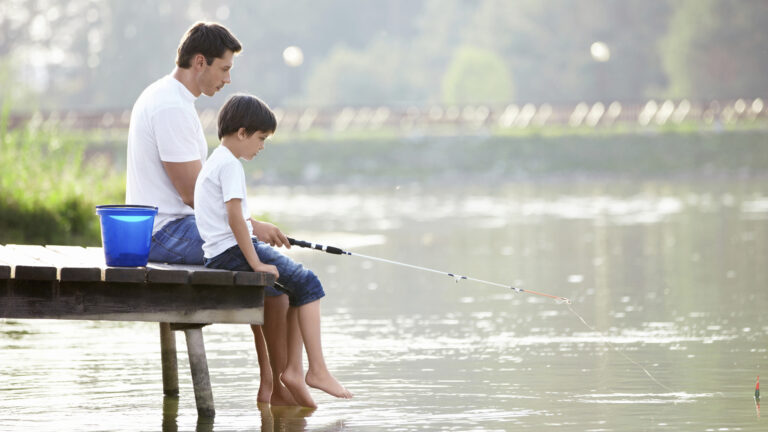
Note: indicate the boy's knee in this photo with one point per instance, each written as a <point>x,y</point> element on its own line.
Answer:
<point>309,278</point>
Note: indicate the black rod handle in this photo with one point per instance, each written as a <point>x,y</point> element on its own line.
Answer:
<point>299,243</point>
<point>306,244</point>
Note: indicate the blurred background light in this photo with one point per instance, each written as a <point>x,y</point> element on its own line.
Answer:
<point>293,56</point>
<point>600,52</point>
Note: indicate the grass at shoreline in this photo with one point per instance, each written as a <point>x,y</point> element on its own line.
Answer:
<point>48,189</point>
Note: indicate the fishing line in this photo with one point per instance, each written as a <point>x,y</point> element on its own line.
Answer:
<point>457,277</point>
<point>337,251</point>
<point>616,348</point>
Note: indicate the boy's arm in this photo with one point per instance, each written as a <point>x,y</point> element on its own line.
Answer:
<point>268,233</point>
<point>243,237</point>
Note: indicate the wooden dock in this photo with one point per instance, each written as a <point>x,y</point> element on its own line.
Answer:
<point>74,283</point>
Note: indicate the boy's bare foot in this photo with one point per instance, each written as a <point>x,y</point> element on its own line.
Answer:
<point>326,382</point>
<point>295,384</point>
<point>281,396</point>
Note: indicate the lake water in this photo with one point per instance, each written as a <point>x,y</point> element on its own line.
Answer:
<point>670,279</point>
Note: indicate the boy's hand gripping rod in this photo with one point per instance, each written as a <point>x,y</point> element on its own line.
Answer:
<point>338,251</point>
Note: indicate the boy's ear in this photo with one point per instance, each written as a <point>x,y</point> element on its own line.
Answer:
<point>242,134</point>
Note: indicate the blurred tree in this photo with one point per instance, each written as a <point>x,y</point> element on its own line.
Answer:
<point>320,32</point>
<point>441,27</point>
<point>264,28</point>
<point>16,94</point>
<point>130,45</point>
<point>717,49</point>
<point>394,68</point>
<point>359,77</point>
<point>39,40</point>
<point>477,75</point>
<point>101,53</point>
<point>546,45</point>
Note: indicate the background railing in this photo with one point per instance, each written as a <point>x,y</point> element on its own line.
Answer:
<point>436,118</point>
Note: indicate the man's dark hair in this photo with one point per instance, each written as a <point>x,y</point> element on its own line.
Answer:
<point>246,111</point>
<point>209,39</point>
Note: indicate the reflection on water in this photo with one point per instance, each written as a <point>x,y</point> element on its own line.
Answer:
<point>272,418</point>
<point>671,279</point>
<point>288,418</point>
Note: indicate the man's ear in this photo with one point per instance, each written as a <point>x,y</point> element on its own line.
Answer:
<point>199,60</point>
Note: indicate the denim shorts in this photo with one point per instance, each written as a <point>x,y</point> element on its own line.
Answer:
<point>177,242</point>
<point>301,285</point>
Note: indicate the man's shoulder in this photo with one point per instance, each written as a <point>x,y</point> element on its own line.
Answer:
<point>162,94</point>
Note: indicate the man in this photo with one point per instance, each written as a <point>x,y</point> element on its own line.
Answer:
<point>167,147</point>
<point>166,151</point>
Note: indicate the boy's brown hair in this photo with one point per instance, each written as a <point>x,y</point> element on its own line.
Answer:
<point>248,112</point>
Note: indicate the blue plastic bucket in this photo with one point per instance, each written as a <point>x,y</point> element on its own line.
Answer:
<point>126,233</point>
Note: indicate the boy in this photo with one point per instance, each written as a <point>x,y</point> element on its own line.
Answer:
<point>223,219</point>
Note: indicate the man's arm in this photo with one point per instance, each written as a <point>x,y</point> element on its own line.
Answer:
<point>243,237</point>
<point>183,176</point>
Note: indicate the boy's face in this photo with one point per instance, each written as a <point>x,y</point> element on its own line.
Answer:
<point>215,76</point>
<point>254,144</point>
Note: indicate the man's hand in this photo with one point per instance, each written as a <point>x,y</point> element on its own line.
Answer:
<point>270,234</point>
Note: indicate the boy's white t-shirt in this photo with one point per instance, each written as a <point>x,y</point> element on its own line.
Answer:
<point>164,126</point>
<point>221,179</point>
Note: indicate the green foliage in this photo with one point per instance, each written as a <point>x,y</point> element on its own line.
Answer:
<point>477,75</point>
<point>355,77</point>
<point>716,49</point>
<point>48,189</point>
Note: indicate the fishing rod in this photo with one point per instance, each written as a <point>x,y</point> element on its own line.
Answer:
<point>337,251</point>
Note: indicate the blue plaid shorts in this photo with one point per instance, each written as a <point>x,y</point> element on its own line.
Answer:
<point>301,285</point>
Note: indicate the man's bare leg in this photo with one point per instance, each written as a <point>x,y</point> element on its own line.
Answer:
<point>275,333</point>
<point>265,370</point>
<point>293,376</point>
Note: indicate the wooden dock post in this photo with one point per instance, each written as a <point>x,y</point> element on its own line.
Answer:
<point>169,360</point>
<point>201,381</point>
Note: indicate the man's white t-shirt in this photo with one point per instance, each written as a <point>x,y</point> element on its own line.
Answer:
<point>164,127</point>
<point>221,179</point>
